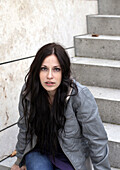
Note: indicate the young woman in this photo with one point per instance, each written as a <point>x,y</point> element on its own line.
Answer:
<point>59,123</point>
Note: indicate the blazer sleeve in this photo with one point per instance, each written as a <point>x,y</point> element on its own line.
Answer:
<point>21,142</point>
<point>93,129</point>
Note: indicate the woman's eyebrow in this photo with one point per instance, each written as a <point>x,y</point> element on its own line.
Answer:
<point>57,66</point>
<point>43,66</point>
<point>48,66</point>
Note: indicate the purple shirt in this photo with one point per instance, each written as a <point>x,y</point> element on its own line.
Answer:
<point>61,161</point>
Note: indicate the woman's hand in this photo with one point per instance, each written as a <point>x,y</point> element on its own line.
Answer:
<point>23,168</point>
<point>16,167</point>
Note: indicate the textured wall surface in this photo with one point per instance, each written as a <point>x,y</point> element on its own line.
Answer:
<point>26,25</point>
<point>11,81</point>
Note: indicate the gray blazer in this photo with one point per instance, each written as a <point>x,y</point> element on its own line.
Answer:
<point>83,137</point>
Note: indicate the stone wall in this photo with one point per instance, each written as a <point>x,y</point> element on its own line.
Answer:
<point>26,25</point>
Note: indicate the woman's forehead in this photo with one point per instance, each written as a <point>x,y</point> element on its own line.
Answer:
<point>51,60</point>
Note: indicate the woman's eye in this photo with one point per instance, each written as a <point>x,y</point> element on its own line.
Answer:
<point>43,69</point>
<point>57,69</point>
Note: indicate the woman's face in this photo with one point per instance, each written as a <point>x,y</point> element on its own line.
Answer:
<point>50,74</point>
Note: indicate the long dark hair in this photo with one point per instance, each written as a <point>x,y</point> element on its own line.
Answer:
<point>43,120</point>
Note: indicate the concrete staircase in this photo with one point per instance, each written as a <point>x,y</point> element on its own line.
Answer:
<point>97,65</point>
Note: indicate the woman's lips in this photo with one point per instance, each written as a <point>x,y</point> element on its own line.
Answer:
<point>49,83</point>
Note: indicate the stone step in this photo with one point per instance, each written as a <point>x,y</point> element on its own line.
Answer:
<point>8,139</point>
<point>103,24</point>
<point>8,162</point>
<point>96,72</point>
<point>113,132</point>
<point>103,46</point>
<point>4,168</point>
<point>108,101</point>
<point>109,7</point>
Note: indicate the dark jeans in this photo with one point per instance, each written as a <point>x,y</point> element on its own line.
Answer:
<point>36,161</point>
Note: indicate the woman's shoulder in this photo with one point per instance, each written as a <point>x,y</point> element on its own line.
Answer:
<point>79,86</point>
<point>23,92</point>
<point>83,92</point>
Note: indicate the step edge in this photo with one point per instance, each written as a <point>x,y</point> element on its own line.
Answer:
<point>111,130</point>
<point>105,93</point>
<point>96,62</point>
<point>103,16</point>
<point>99,37</point>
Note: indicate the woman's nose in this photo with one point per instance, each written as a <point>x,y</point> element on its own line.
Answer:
<point>50,74</point>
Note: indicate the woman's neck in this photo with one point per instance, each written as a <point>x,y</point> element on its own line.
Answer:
<point>51,96</point>
<point>51,100</point>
